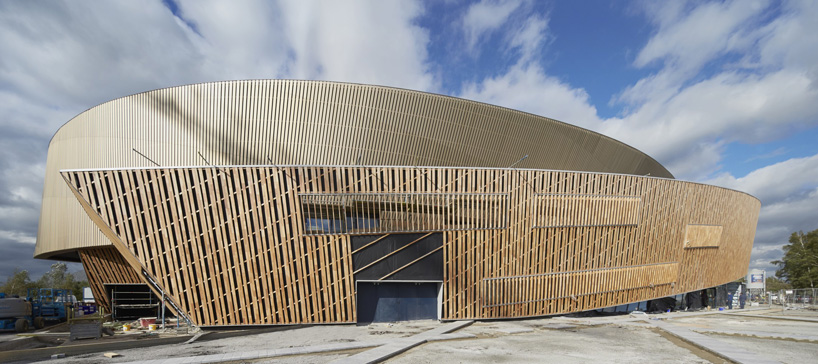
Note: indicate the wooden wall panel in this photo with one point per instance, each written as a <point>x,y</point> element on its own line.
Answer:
<point>233,245</point>
<point>703,236</point>
<point>573,288</point>
<point>286,122</point>
<point>226,245</point>
<point>105,265</point>
<point>562,210</point>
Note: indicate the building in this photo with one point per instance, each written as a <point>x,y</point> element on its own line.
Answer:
<point>285,202</point>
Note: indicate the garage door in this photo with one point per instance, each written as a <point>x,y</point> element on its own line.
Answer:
<point>396,301</point>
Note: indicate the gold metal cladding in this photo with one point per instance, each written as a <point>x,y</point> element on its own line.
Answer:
<point>233,245</point>
<point>278,122</point>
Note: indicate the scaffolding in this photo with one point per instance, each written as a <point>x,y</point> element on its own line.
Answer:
<point>132,301</point>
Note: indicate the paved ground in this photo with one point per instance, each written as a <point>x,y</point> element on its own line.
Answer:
<point>758,336</point>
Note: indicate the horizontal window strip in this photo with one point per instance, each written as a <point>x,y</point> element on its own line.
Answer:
<point>365,213</point>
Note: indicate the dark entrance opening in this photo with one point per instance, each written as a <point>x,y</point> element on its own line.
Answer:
<point>398,257</point>
<point>396,301</point>
<point>132,301</point>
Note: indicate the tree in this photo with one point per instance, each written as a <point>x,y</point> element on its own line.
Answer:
<point>58,277</point>
<point>17,284</point>
<point>799,266</point>
<point>775,284</point>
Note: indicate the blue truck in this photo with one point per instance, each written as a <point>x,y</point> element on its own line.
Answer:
<point>16,314</point>
<point>40,305</point>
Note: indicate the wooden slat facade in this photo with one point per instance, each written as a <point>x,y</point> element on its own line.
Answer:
<point>236,245</point>
<point>287,122</point>
<point>105,265</point>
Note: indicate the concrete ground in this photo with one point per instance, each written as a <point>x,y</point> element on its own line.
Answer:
<point>499,343</point>
<point>762,336</point>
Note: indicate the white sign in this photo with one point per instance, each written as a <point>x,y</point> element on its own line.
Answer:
<point>756,279</point>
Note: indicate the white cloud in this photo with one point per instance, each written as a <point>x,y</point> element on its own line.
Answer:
<point>769,94</point>
<point>59,59</point>
<point>688,37</point>
<point>688,40</point>
<point>787,40</point>
<point>236,39</point>
<point>354,41</point>
<point>777,182</point>
<point>485,17</point>
<point>778,221</point>
<point>85,53</point>
<point>530,38</point>
<point>722,72</point>
<point>528,88</point>
<point>727,72</point>
<point>788,192</point>
<point>27,126</point>
<point>677,116</point>
<point>728,107</point>
<point>365,42</point>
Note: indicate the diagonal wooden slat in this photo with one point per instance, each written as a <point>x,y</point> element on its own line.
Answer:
<point>289,122</point>
<point>412,262</point>
<point>105,265</point>
<point>391,253</point>
<point>230,245</point>
<point>370,243</point>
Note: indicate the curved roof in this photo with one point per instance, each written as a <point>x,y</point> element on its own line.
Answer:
<point>286,122</point>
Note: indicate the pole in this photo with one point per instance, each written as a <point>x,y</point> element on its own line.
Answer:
<point>163,312</point>
<point>782,300</point>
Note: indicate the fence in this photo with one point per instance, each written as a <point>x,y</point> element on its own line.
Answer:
<point>795,298</point>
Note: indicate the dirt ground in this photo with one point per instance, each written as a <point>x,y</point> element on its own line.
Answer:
<point>608,339</point>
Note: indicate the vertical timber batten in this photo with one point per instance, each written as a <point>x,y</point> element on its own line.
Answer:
<point>556,242</point>
<point>305,122</point>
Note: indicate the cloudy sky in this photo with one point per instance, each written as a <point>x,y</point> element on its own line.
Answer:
<point>720,92</point>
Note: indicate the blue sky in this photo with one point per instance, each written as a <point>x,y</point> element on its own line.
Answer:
<point>720,92</point>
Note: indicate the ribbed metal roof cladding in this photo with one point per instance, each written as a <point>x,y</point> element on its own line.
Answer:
<point>307,122</point>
